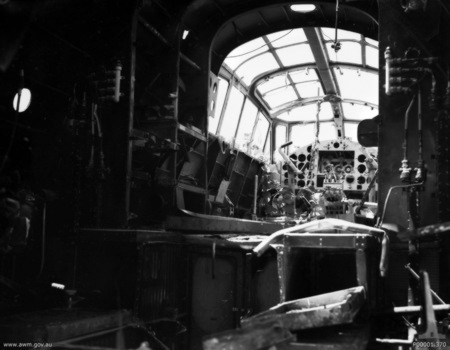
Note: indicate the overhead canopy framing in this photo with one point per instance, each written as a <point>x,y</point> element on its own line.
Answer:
<point>288,72</point>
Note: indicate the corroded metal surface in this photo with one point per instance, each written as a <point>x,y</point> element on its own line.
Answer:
<point>208,223</point>
<point>322,310</point>
<point>353,337</point>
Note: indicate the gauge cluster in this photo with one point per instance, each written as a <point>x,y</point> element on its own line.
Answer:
<point>338,164</point>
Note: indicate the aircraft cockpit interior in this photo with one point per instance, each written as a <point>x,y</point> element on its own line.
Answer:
<point>300,101</point>
<point>225,174</point>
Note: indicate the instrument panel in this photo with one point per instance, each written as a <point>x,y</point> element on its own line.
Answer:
<point>337,164</point>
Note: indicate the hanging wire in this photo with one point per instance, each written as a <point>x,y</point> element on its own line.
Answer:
<point>336,45</point>
<point>270,42</point>
<point>419,123</point>
<point>100,138</point>
<point>328,37</point>
<point>405,141</point>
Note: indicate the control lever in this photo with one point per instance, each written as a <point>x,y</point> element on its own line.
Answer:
<point>428,328</point>
<point>287,159</point>
<point>366,194</point>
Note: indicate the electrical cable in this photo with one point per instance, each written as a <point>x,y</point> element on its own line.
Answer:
<point>330,38</point>
<point>336,22</point>
<point>265,44</point>
<point>405,141</point>
<point>97,120</point>
<point>420,169</point>
<point>101,170</point>
<point>100,136</point>
<point>389,194</point>
<point>336,46</point>
<point>419,124</point>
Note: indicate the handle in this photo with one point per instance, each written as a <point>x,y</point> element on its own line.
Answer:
<point>287,159</point>
<point>284,145</point>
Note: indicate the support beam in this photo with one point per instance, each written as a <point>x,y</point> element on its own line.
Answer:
<point>326,75</point>
<point>321,57</point>
<point>277,58</point>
